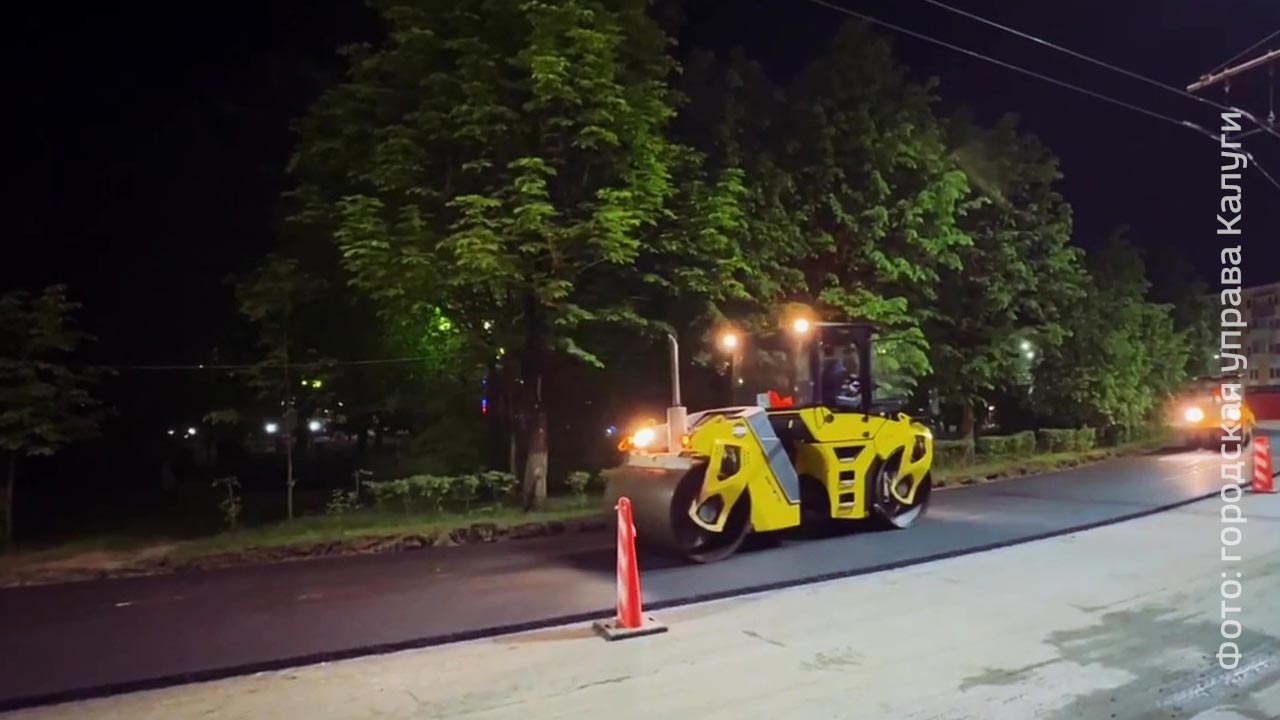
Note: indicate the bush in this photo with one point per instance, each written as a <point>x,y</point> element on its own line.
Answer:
<point>1086,438</point>
<point>341,502</point>
<point>498,486</point>
<point>431,491</point>
<point>436,493</point>
<point>1113,435</point>
<point>1015,445</point>
<point>1024,443</point>
<point>385,494</point>
<point>578,482</point>
<point>230,506</point>
<point>953,452</point>
<point>465,490</point>
<point>997,445</point>
<point>413,494</point>
<point>1057,440</point>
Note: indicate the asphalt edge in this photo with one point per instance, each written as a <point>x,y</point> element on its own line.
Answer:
<point>176,680</point>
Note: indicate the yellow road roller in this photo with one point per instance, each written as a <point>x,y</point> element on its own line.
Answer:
<point>804,440</point>
<point>1195,417</point>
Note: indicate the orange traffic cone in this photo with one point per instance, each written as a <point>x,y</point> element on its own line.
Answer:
<point>629,620</point>
<point>1263,479</point>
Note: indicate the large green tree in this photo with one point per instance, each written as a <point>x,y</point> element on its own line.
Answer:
<point>45,403</point>
<point>271,297</point>
<point>851,195</point>
<point>878,193</point>
<point>506,163</point>
<point>1007,302</point>
<point>1125,356</point>
<point>1175,281</point>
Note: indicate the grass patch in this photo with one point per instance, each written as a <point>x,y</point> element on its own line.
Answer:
<point>375,523</point>
<point>955,472</point>
<point>107,552</point>
<point>112,544</point>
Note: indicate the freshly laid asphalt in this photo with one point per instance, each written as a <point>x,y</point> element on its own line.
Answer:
<point>78,640</point>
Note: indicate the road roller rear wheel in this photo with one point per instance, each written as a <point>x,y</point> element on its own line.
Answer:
<point>888,487</point>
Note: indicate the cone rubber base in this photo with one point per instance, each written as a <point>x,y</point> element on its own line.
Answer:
<point>610,630</point>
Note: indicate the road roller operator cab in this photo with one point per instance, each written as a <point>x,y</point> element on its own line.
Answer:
<point>804,439</point>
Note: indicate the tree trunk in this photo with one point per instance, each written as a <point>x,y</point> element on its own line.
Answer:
<point>291,428</point>
<point>511,452</point>
<point>288,460</point>
<point>966,420</point>
<point>535,466</point>
<point>8,500</point>
<point>534,482</point>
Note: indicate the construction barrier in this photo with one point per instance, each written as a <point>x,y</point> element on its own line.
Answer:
<point>629,620</point>
<point>1263,477</point>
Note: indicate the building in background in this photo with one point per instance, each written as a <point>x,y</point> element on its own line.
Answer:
<point>1262,347</point>
<point>1262,339</point>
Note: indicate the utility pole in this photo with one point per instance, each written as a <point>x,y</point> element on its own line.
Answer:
<point>1226,74</point>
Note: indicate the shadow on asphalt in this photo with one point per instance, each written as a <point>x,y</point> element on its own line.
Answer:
<point>1171,450</point>
<point>602,561</point>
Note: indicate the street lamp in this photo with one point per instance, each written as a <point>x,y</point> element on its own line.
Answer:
<point>1025,345</point>
<point>677,417</point>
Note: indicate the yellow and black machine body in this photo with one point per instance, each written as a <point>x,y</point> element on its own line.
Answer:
<point>1196,417</point>
<point>804,440</point>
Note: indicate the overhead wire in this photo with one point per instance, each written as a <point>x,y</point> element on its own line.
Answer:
<point>1040,76</point>
<point>1245,51</point>
<point>1114,68</point>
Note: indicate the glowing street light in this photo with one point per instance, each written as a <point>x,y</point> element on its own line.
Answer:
<point>1025,345</point>
<point>729,340</point>
<point>315,426</point>
<point>801,325</point>
<point>271,428</point>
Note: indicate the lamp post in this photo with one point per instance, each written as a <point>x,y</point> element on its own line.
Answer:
<point>677,417</point>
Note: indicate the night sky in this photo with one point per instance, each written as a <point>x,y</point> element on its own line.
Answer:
<point>152,140</point>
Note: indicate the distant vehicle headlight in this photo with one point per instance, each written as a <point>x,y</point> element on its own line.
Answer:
<point>1193,414</point>
<point>315,426</point>
<point>271,428</point>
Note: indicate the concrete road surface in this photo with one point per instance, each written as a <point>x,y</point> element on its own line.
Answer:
<point>1117,622</point>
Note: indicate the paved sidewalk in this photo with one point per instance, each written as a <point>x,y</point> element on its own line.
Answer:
<point>1118,622</point>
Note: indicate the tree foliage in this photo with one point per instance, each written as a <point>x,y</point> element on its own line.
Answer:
<point>45,403</point>
<point>509,182</point>
<point>879,193</point>
<point>1008,301</point>
<point>851,197</point>
<point>271,298</point>
<point>1124,356</point>
<point>506,164</point>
